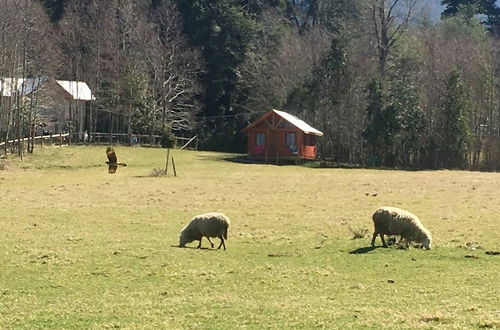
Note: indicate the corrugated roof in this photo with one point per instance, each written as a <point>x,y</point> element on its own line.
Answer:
<point>299,123</point>
<point>22,85</point>
<point>78,90</point>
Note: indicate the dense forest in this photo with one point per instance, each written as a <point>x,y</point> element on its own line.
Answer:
<point>387,83</point>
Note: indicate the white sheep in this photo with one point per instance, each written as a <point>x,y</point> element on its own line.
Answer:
<point>205,225</point>
<point>395,221</point>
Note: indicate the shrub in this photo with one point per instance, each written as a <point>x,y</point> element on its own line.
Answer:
<point>358,232</point>
<point>157,172</point>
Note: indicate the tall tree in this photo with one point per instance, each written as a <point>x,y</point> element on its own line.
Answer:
<point>223,31</point>
<point>488,8</point>
<point>55,8</point>
<point>456,133</point>
<point>390,18</point>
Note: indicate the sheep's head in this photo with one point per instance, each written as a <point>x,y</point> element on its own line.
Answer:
<point>426,242</point>
<point>183,240</point>
<point>185,237</point>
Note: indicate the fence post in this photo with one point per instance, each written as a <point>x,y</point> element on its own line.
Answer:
<point>166,165</point>
<point>173,165</point>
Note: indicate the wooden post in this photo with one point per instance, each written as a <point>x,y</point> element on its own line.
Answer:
<point>173,165</point>
<point>166,165</point>
<point>60,139</point>
<point>50,138</point>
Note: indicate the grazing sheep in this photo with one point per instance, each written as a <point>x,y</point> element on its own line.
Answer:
<point>208,225</point>
<point>394,221</point>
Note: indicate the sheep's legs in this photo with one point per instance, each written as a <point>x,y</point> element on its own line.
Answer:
<point>222,243</point>
<point>211,243</point>
<point>375,234</point>
<point>383,241</point>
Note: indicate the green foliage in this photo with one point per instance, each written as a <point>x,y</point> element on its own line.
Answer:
<point>465,28</point>
<point>136,92</point>
<point>55,8</point>
<point>456,133</point>
<point>405,101</point>
<point>223,31</point>
<point>470,8</point>
<point>381,123</point>
<point>258,6</point>
<point>396,129</point>
<point>325,98</point>
<point>167,138</point>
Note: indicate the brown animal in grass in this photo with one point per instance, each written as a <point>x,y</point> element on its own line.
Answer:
<point>112,160</point>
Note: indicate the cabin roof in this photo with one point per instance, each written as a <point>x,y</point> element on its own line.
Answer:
<point>299,123</point>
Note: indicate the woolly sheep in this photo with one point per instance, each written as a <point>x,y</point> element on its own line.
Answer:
<point>395,221</point>
<point>209,225</point>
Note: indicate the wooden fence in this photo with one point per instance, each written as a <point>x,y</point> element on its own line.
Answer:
<point>102,138</point>
<point>57,139</point>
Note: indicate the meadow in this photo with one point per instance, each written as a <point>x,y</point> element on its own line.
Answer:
<point>81,248</point>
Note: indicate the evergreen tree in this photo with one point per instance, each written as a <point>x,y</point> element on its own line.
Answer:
<point>488,8</point>
<point>409,118</point>
<point>373,133</point>
<point>456,133</point>
<point>324,100</point>
<point>223,31</point>
<point>55,8</point>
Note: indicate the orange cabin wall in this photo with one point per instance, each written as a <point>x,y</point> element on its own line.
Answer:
<point>275,141</point>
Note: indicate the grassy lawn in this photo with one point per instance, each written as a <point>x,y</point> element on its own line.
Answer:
<point>80,248</point>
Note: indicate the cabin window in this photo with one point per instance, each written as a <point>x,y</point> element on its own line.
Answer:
<point>260,139</point>
<point>290,139</point>
<point>291,142</point>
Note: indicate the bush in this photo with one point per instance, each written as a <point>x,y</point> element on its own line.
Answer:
<point>157,172</point>
<point>358,232</point>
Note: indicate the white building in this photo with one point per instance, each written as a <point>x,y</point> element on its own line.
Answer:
<point>62,105</point>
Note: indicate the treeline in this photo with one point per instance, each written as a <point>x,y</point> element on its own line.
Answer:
<point>388,85</point>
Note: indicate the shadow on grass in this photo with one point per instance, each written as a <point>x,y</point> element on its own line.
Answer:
<point>313,164</point>
<point>193,248</point>
<point>364,250</point>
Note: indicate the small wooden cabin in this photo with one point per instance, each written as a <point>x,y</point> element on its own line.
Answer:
<point>279,136</point>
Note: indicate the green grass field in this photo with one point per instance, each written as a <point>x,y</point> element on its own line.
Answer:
<point>80,248</point>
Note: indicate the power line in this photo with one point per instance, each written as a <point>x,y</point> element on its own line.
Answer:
<point>231,116</point>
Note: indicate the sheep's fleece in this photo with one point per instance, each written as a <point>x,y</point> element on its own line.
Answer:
<point>394,221</point>
<point>207,225</point>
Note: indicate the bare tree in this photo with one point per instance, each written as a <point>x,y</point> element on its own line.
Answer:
<point>176,69</point>
<point>390,18</point>
<point>26,47</point>
<point>137,61</point>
